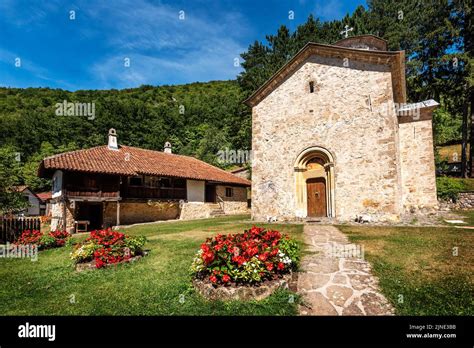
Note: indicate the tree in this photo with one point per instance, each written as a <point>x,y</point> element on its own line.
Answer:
<point>11,200</point>
<point>29,171</point>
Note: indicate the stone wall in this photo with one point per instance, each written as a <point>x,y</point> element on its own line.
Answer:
<point>237,204</point>
<point>58,209</point>
<point>196,210</point>
<point>347,115</point>
<point>465,201</point>
<point>417,166</point>
<point>132,212</point>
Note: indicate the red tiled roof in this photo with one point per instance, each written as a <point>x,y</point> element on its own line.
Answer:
<point>44,196</point>
<point>131,161</point>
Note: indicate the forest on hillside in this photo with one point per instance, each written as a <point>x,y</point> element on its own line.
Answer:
<point>199,119</point>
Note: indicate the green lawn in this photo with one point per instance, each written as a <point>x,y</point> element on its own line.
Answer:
<point>417,268</point>
<point>468,217</point>
<point>158,284</point>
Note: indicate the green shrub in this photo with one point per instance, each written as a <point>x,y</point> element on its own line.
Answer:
<point>134,243</point>
<point>48,241</point>
<point>449,188</point>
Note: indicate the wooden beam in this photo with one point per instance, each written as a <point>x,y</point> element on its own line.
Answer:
<point>118,213</point>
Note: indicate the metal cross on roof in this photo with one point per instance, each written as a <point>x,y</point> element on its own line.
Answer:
<point>346,31</point>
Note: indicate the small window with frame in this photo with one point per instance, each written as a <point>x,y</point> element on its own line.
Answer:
<point>229,192</point>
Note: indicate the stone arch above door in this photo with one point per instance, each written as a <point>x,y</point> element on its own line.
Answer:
<point>314,162</point>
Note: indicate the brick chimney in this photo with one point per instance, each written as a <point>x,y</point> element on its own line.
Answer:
<point>167,148</point>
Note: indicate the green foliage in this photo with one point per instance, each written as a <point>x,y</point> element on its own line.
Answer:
<point>10,176</point>
<point>290,248</point>
<point>446,127</point>
<point>47,241</point>
<point>448,188</point>
<point>30,168</point>
<point>134,243</point>
<point>84,252</point>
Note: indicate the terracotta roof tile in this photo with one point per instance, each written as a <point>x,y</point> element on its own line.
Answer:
<point>44,196</point>
<point>131,161</point>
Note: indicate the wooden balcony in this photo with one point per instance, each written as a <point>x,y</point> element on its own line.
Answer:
<point>157,193</point>
<point>77,192</point>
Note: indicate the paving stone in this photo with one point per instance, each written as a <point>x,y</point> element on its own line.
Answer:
<point>356,265</point>
<point>323,264</point>
<point>362,281</point>
<point>375,304</point>
<point>320,305</point>
<point>339,279</point>
<point>355,275</point>
<point>352,309</point>
<point>309,281</point>
<point>338,294</point>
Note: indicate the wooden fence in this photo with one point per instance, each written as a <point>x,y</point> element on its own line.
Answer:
<point>12,227</point>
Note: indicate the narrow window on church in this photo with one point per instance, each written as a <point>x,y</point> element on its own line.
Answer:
<point>311,86</point>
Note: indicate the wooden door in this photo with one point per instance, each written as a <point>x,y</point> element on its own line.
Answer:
<point>316,190</point>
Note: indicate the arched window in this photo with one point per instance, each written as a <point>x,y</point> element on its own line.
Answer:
<point>311,86</point>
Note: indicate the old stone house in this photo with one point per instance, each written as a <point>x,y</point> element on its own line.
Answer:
<point>333,136</point>
<point>113,184</point>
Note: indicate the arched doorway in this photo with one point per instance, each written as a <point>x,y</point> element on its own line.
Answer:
<point>314,176</point>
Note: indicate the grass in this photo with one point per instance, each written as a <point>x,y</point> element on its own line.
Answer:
<point>158,284</point>
<point>467,183</point>
<point>418,269</point>
<point>468,216</point>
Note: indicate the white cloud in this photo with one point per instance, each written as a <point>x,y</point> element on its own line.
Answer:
<point>329,9</point>
<point>162,47</point>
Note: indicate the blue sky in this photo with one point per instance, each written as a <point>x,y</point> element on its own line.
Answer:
<point>90,51</point>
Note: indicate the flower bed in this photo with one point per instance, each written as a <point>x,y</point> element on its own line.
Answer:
<point>251,258</point>
<point>43,241</point>
<point>107,247</point>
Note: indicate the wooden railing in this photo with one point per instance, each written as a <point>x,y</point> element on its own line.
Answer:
<point>12,227</point>
<point>83,192</point>
<point>220,201</point>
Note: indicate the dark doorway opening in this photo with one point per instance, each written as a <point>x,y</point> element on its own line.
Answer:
<point>210,196</point>
<point>92,212</point>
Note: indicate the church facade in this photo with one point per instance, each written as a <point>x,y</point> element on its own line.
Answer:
<point>333,136</point>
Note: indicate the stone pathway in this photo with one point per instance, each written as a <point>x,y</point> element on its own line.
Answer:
<point>335,280</point>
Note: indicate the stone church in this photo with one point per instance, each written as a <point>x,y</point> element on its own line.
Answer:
<point>334,137</point>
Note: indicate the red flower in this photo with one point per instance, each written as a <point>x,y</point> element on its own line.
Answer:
<point>281,266</point>
<point>213,278</point>
<point>269,266</point>
<point>225,278</point>
<point>208,257</point>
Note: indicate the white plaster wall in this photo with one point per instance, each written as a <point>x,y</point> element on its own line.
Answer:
<point>34,204</point>
<point>57,183</point>
<point>195,190</point>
